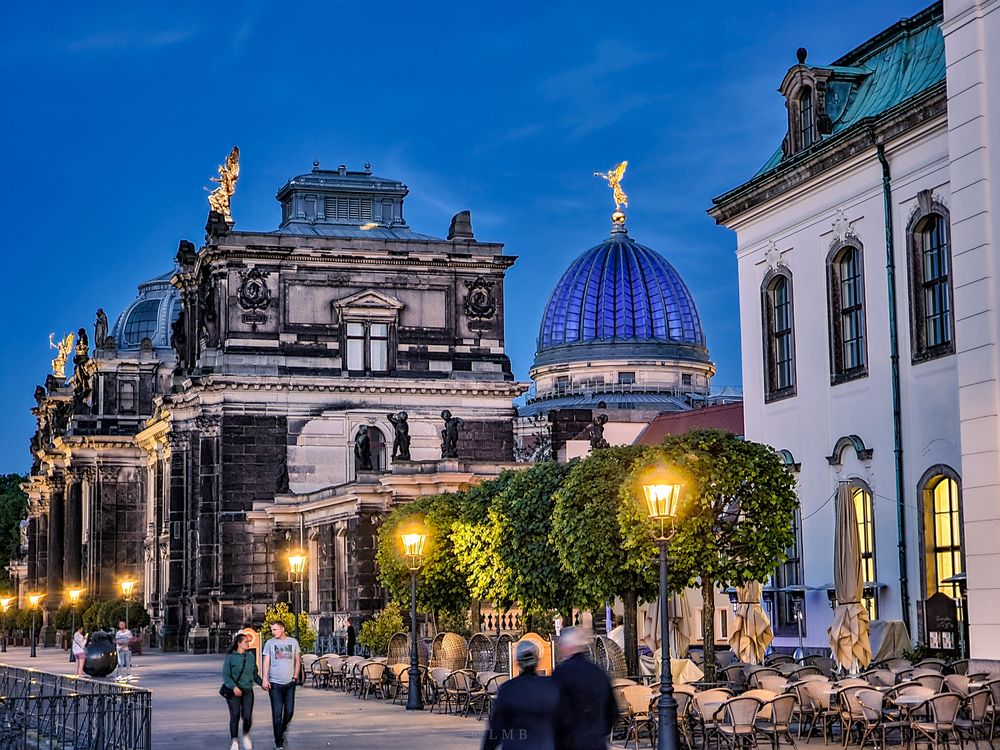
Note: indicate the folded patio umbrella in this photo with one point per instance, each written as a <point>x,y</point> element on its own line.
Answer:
<point>849,634</point>
<point>752,632</point>
<point>683,628</point>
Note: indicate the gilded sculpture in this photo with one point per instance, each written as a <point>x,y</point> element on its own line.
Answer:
<point>614,178</point>
<point>220,198</point>
<point>63,349</point>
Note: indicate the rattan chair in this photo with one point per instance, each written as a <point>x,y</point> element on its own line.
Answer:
<point>703,716</point>
<point>437,694</point>
<point>503,653</point>
<point>637,699</point>
<point>974,722</point>
<point>943,709</point>
<point>937,665</point>
<point>449,650</point>
<point>482,652</point>
<point>610,657</point>
<point>960,666</point>
<point>778,724</point>
<point>736,721</point>
<point>373,680</point>
<point>398,650</point>
<point>775,659</point>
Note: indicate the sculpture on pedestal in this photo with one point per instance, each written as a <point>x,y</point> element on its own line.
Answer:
<point>362,449</point>
<point>401,438</point>
<point>449,435</point>
<point>63,349</point>
<point>229,173</point>
<point>100,329</point>
<point>597,432</point>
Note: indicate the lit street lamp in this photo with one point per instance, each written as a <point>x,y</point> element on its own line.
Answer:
<point>74,599</point>
<point>414,540</point>
<point>128,588</point>
<point>662,496</point>
<point>33,601</point>
<point>297,565</point>
<point>6,603</point>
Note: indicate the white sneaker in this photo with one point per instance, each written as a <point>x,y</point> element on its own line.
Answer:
<point>247,744</point>
<point>234,745</point>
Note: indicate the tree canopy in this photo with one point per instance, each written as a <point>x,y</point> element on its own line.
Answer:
<point>13,509</point>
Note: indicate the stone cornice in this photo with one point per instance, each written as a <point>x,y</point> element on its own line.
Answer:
<point>830,153</point>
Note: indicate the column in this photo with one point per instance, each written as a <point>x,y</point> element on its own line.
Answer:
<point>173,614</point>
<point>73,534</point>
<point>54,571</point>
<point>32,550</point>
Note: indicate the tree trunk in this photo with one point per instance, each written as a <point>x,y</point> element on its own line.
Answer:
<point>708,627</point>
<point>476,616</point>
<point>630,600</point>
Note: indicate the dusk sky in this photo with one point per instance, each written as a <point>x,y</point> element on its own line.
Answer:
<point>116,116</point>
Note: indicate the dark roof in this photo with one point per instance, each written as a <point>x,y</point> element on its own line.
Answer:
<point>728,417</point>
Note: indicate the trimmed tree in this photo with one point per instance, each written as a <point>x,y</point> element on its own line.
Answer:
<point>735,521</point>
<point>588,538</point>
<point>13,508</point>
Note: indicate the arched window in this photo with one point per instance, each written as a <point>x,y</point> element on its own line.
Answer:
<point>376,439</point>
<point>806,117</point>
<point>779,337</point>
<point>932,314</point>
<point>943,554</point>
<point>865,512</point>
<point>848,355</point>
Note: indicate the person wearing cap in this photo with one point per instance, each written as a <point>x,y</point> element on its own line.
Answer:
<point>587,707</point>
<point>526,710</point>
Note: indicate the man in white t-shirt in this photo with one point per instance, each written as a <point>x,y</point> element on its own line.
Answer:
<point>282,662</point>
<point>123,639</point>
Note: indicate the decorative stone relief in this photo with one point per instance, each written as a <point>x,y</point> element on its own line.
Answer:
<point>480,303</point>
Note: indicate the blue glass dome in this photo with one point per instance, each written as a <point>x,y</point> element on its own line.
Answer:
<point>625,295</point>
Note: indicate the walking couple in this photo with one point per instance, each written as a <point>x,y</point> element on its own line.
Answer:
<point>282,661</point>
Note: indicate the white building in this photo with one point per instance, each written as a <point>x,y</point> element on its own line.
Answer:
<point>889,381</point>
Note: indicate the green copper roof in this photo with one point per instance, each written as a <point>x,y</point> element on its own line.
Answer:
<point>898,64</point>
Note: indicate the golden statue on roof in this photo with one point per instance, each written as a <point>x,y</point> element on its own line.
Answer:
<point>614,178</point>
<point>229,173</point>
<point>63,349</point>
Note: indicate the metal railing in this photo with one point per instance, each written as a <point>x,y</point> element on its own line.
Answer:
<point>45,711</point>
<point>593,387</point>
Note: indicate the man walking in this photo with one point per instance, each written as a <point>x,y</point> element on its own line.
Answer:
<point>282,662</point>
<point>123,640</point>
<point>588,710</point>
<point>525,712</point>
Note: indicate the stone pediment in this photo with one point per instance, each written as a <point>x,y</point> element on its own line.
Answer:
<point>368,304</point>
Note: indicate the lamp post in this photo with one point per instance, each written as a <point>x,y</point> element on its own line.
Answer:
<point>662,502</point>
<point>414,541</point>
<point>297,565</point>
<point>128,587</point>
<point>74,599</point>
<point>6,603</point>
<point>33,602</point>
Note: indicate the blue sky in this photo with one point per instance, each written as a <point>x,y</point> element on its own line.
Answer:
<point>115,116</point>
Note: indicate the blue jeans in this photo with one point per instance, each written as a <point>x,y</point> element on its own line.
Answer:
<point>282,708</point>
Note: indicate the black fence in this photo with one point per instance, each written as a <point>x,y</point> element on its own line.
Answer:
<point>44,711</point>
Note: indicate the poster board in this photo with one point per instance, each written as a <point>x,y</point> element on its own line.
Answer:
<point>255,644</point>
<point>546,655</point>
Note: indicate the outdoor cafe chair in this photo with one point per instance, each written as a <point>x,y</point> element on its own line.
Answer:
<point>733,674</point>
<point>942,710</point>
<point>373,679</point>
<point>754,678</point>
<point>703,715</point>
<point>461,689</point>
<point>776,684</point>
<point>736,722</point>
<point>931,663</point>
<point>489,693</point>
<point>764,696</point>
<point>824,712</point>
<point>335,663</point>
<point>974,720</point>
<point>879,677</point>
<point>956,683</point>
<point>959,666</point>
<point>775,659</point>
<point>435,682</point>
<point>933,681</point>
<point>637,702</point>
<point>319,670</point>
<point>861,711</point>
<point>774,720</point>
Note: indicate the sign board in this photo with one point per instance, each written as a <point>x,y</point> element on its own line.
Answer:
<point>255,643</point>
<point>546,655</point>
<point>941,622</point>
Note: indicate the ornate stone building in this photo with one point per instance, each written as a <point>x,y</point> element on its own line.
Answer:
<point>249,404</point>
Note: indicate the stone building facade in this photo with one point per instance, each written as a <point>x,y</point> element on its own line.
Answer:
<point>268,398</point>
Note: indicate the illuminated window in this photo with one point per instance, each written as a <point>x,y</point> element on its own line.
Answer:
<point>942,535</point>
<point>866,541</point>
<point>779,337</point>
<point>806,118</point>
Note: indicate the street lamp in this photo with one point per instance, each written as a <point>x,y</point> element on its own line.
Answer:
<point>128,587</point>
<point>414,540</point>
<point>33,601</point>
<point>74,599</point>
<point>6,603</point>
<point>297,564</point>
<point>662,494</point>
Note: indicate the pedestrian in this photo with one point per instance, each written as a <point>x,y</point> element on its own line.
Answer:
<point>123,641</point>
<point>282,662</point>
<point>587,707</point>
<point>525,712</point>
<point>80,650</point>
<point>239,673</point>
<point>352,636</point>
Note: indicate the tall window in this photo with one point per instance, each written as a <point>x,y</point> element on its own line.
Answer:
<point>126,397</point>
<point>931,294</point>
<point>367,347</point>
<point>847,314</point>
<point>779,338</point>
<point>866,540</point>
<point>806,118</point>
<point>942,535</point>
<point>378,347</point>
<point>789,573</point>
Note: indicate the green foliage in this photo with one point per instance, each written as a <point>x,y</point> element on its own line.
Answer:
<point>111,612</point>
<point>91,617</point>
<point>20,619</point>
<point>375,633</point>
<point>442,585</point>
<point>13,508</point>
<point>587,534</point>
<point>476,546</point>
<point>281,613</point>
<point>455,622</point>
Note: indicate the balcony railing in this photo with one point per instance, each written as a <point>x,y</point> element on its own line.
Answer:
<point>49,711</point>
<point>586,389</point>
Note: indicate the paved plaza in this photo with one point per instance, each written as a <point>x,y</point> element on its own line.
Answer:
<point>188,713</point>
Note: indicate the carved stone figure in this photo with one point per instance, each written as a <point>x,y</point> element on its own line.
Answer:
<point>449,435</point>
<point>82,344</point>
<point>362,449</point>
<point>209,315</point>
<point>100,329</point>
<point>597,432</point>
<point>401,437</point>
<point>39,394</point>
<point>178,340</point>
<point>83,374</point>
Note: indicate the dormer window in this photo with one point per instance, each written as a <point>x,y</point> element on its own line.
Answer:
<point>807,119</point>
<point>369,320</point>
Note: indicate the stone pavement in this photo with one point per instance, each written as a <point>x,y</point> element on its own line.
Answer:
<point>189,714</point>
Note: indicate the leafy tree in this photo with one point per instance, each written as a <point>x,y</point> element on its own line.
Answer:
<point>91,617</point>
<point>476,546</point>
<point>280,612</point>
<point>13,508</point>
<point>735,521</point>
<point>112,611</point>
<point>588,538</point>
<point>442,585</point>
<point>375,633</point>
<point>63,617</point>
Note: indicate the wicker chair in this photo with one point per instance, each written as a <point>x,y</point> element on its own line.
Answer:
<point>438,695</point>
<point>943,709</point>
<point>937,665</point>
<point>703,716</point>
<point>961,666</point>
<point>482,652</point>
<point>957,683</point>
<point>373,679</point>
<point>737,718</point>
<point>398,650</point>
<point>610,657</point>
<point>976,721</point>
<point>637,698</point>
<point>775,659</point>
<point>489,694</point>
<point>778,724</point>
<point>462,690</point>
<point>503,653</point>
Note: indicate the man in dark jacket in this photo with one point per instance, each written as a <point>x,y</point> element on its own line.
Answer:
<point>588,710</point>
<point>526,710</point>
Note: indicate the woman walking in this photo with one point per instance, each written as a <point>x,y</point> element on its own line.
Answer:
<point>80,650</point>
<point>239,673</point>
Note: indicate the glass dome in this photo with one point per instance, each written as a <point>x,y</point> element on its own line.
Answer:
<point>150,316</point>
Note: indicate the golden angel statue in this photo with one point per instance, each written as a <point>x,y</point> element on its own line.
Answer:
<point>614,178</point>
<point>229,173</point>
<point>63,349</point>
